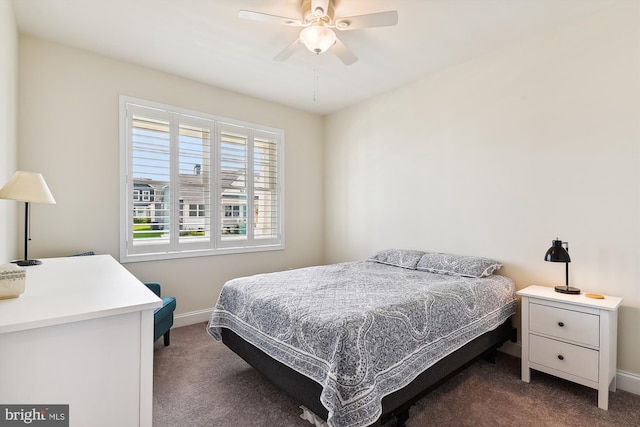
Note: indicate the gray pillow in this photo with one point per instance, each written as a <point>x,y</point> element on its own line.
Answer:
<point>458,265</point>
<point>405,258</point>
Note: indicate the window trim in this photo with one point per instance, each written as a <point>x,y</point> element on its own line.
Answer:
<point>217,246</point>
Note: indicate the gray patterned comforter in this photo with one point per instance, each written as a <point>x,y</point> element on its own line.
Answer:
<point>360,329</point>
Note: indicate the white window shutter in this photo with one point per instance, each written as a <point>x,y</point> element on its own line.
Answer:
<point>195,184</point>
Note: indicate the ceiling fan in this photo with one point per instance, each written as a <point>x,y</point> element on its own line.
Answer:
<point>318,22</point>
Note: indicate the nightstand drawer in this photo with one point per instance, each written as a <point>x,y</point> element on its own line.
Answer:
<point>572,359</point>
<point>582,328</point>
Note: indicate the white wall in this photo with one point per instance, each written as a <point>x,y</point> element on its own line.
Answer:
<point>8,126</point>
<point>498,156</point>
<point>68,124</point>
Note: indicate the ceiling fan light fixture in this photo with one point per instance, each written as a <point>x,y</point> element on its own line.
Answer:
<point>318,38</point>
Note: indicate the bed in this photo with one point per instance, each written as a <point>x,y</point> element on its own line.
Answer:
<point>357,343</point>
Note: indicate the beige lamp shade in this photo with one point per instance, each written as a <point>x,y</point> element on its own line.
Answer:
<point>27,187</point>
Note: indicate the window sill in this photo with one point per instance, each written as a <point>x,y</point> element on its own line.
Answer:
<point>159,256</point>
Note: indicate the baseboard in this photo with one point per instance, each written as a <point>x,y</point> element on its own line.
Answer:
<point>512,349</point>
<point>625,381</point>
<point>193,317</point>
<point>628,382</point>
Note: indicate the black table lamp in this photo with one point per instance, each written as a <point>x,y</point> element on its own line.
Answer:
<point>27,187</point>
<point>559,252</point>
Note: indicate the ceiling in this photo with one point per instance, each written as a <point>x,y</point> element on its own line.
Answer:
<point>204,40</point>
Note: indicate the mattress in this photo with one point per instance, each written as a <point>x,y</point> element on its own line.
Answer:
<point>361,330</point>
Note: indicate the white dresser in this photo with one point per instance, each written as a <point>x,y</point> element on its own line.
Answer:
<point>570,336</point>
<point>82,335</point>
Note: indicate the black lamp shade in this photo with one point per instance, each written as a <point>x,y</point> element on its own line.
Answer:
<point>557,253</point>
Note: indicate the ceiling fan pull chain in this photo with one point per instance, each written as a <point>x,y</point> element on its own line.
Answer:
<point>315,85</point>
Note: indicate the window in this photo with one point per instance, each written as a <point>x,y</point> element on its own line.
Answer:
<point>188,180</point>
<point>196,210</point>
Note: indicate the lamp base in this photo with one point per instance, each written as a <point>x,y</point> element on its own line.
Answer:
<point>567,290</point>
<point>27,262</point>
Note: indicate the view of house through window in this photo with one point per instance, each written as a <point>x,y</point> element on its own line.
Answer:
<point>190,180</point>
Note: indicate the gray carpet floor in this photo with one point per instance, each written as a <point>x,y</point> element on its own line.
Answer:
<point>199,382</point>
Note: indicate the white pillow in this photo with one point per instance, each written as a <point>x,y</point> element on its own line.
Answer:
<point>458,265</point>
<point>405,258</point>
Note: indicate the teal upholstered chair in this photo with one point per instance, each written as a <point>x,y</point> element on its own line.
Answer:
<point>88,253</point>
<point>162,316</point>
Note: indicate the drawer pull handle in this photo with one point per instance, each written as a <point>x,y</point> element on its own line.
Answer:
<point>561,324</point>
<point>561,357</point>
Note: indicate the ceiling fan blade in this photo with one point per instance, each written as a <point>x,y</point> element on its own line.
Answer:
<point>265,17</point>
<point>344,53</point>
<point>380,19</point>
<point>288,50</point>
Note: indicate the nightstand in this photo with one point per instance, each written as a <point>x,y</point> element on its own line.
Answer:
<point>570,336</point>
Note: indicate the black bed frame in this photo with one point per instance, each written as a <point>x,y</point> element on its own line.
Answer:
<point>307,392</point>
